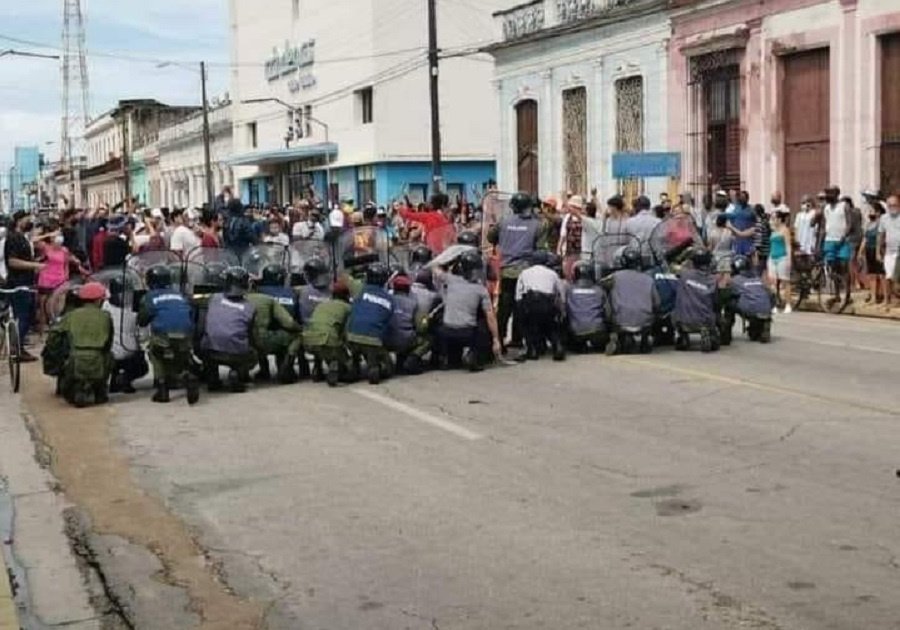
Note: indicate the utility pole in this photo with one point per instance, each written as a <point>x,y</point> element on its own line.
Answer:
<point>436,172</point>
<point>210,193</point>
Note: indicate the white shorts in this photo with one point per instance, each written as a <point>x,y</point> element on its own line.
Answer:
<point>890,265</point>
<point>780,268</point>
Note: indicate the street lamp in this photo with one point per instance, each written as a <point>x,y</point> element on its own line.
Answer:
<point>323,125</point>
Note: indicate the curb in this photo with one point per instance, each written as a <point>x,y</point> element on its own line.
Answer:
<point>857,308</point>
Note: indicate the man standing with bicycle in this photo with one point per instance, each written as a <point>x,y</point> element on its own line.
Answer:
<point>21,270</point>
<point>836,249</point>
<point>889,247</point>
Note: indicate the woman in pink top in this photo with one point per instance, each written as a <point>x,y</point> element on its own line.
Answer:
<point>57,260</point>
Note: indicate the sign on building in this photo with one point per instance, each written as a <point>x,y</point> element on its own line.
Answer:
<point>636,165</point>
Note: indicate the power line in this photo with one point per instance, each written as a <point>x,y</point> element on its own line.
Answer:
<point>220,64</point>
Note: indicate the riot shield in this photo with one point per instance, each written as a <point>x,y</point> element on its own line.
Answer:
<point>606,252</point>
<point>140,263</point>
<point>261,256</point>
<point>302,251</point>
<point>673,239</point>
<point>361,246</point>
<point>494,206</point>
<point>204,267</point>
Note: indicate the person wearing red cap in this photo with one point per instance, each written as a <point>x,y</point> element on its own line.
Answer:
<point>89,333</point>
<point>324,334</point>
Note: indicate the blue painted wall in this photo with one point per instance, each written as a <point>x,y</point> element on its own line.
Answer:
<point>399,175</point>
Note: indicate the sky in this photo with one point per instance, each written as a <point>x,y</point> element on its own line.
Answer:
<point>183,31</point>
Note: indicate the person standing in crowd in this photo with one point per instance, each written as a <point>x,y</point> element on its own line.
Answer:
<point>309,227</point>
<point>836,248</point>
<point>21,269</point>
<point>778,206</point>
<point>854,238</point>
<point>210,224</point>
<point>57,261</point>
<point>275,233</point>
<point>570,232</point>
<point>517,236</point>
<point>183,238</point>
<point>889,247</point>
<point>742,223</point>
<point>804,231</point>
<point>721,243</point>
<point>869,253</point>
<point>779,259</point>
<point>615,218</point>
<point>762,238</point>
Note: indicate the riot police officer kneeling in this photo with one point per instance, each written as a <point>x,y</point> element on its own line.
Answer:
<point>634,301</point>
<point>226,339</point>
<point>587,310</point>
<point>696,302</point>
<point>469,326</point>
<point>540,304</point>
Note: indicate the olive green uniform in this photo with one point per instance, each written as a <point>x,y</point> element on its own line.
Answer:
<point>89,330</point>
<point>324,335</point>
<point>274,330</point>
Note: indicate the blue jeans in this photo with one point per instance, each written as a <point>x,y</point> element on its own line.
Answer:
<point>23,308</point>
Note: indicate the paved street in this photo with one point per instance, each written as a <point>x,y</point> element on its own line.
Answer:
<point>754,488</point>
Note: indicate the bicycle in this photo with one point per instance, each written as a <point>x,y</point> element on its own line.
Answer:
<point>10,344</point>
<point>815,275</point>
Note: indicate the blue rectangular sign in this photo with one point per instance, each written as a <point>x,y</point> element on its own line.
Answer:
<point>629,165</point>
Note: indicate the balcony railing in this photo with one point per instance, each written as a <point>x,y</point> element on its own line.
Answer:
<point>219,120</point>
<point>531,17</point>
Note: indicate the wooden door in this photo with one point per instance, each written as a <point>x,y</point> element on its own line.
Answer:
<point>890,114</point>
<point>805,109</point>
<point>527,143</point>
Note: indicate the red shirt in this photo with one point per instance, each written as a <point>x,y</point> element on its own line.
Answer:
<point>209,240</point>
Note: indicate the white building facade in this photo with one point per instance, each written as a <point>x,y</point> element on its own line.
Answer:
<point>103,181</point>
<point>360,128</point>
<point>577,82</point>
<point>182,163</point>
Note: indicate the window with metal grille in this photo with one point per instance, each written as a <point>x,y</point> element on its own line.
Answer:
<point>575,139</point>
<point>630,127</point>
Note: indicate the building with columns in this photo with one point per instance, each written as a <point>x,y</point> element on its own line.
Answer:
<point>786,95</point>
<point>575,83</point>
<point>182,161</point>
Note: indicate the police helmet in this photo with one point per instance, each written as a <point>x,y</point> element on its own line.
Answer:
<point>316,272</point>
<point>425,277</point>
<point>701,258</point>
<point>158,277</point>
<point>467,238</point>
<point>237,282</point>
<point>470,263</point>
<point>273,276</point>
<point>377,274</point>
<point>421,255</point>
<point>521,203</point>
<point>583,272</point>
<point>631,258</point>
<point>740,265</point>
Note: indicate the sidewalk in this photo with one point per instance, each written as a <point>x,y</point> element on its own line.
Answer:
<point>51,588</point>
<point>858,307</point>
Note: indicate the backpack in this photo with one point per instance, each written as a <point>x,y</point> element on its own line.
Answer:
<point>55,352</point>
<point>239,231</point>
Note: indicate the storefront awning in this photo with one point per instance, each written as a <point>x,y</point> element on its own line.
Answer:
<point>278,156</point>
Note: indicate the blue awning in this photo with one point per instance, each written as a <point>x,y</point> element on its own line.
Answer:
<point>279,156</point>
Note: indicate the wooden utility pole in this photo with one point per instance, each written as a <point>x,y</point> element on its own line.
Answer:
<point>436,171</point>
<point>210,192</point>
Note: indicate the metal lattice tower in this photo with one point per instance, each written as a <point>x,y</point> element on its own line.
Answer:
<point>73,66</point>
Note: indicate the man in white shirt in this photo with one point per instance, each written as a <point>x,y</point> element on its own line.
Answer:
<point>183,239</point>
<point>540,303</point>
<point>336,218</point>
<point>275,234</point>
<point>889,244</point>
<point>803,228</point>
<point>836,249</point>
<point>778,206</point>
<point>310,228</point>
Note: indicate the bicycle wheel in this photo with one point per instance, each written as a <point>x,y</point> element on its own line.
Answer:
<point>13,349</point>
<point>802,291</point>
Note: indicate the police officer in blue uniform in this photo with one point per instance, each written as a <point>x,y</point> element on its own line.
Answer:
<point>370,318</point>
<point>587,310</point>
<point>517,237</point>
<point>168,314</point>
<point>696,308</point>
<point>227,336</point>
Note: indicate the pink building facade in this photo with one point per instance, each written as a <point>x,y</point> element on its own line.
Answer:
<point>786,95</point>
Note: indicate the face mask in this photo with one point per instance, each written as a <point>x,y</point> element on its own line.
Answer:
<point>59,239</point>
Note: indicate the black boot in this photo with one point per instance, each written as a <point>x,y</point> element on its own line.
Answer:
<point>193,389</point>
<point>334,373</point>
<point>287,375</point>
<point>264,374</point>
<point>161,395</point>
<point>318,374</point>
<point>235,383</point>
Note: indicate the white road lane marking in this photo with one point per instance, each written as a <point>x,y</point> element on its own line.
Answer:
<point>412,412</point>
<point>843,346</point>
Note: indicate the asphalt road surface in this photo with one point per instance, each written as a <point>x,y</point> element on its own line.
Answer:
<point>752,488</point>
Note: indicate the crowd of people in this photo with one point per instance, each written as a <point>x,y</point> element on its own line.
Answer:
<point>570,274</point>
